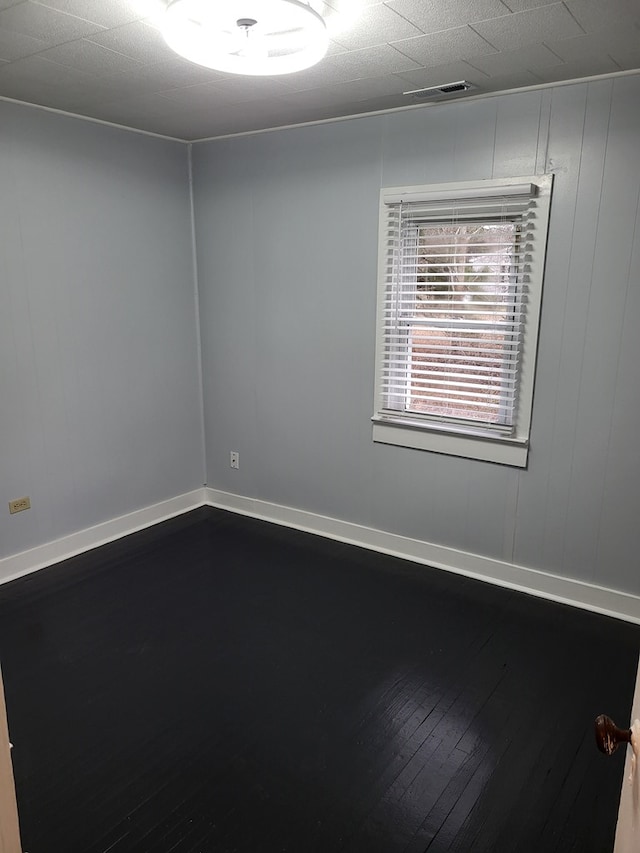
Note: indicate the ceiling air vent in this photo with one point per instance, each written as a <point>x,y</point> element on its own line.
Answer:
<point>433,92</point>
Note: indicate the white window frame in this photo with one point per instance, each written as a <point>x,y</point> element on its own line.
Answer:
<point>467,439</point>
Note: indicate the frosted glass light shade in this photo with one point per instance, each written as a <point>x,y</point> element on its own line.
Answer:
<point>255,37</point>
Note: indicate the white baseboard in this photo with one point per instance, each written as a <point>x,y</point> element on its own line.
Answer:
<point>577,593</point>
<point>599,599</point>
<point>23,563</point>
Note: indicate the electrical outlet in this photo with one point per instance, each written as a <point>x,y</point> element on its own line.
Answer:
<point>234,459</point>
<point>19,505</point>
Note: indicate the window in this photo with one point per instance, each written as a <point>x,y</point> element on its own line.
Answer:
<point>460,286</point>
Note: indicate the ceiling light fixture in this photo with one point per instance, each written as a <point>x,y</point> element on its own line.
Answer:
<point>255,37</point>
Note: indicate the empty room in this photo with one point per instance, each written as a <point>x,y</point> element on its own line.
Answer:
<point>319,404</point>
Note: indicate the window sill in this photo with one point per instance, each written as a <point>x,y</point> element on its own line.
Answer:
<point>502,451</point>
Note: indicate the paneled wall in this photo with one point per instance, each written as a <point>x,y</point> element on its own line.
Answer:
<point>99,372</point>
<point>99,388</point>
<point>286,230</point>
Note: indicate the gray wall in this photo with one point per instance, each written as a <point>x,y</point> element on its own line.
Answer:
<point>286,228</point>
<point>99,390</point>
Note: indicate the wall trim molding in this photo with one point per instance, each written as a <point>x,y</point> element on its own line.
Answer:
<point>92,120</point>
<point>598,599</point>
<point>574,81</point>
<point>25,562</point>
<point>576,593</point>
<point>481,96</point>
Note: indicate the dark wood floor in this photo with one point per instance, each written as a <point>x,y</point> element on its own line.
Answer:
<point>216,683</point>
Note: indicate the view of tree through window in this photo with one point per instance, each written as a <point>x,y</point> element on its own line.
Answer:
<point>463,321</point>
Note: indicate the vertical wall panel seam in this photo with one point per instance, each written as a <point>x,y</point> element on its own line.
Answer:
<point>588,306</point>
<point>617,370</point>
<point>255,321</point>
<point>544,132</point>
<point>556,398</point>
<point>196,301</point>
<point>515,518</point>
<point>495,136</point>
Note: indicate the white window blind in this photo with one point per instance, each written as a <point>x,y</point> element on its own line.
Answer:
<point>458,306</point>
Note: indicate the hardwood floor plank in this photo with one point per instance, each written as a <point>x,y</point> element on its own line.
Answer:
<point>216,683</point>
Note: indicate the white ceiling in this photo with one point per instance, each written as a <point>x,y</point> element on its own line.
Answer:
<point>106,60</point>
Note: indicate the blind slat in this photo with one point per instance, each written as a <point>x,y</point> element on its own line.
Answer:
<point>460,325</point>
<point>455,403</point>
<point>431,368</point>
<point>479,362</point>
<point>450,388</point>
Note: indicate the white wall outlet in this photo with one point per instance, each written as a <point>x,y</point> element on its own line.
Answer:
<point>19,505</point>
<point>234,459</point>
